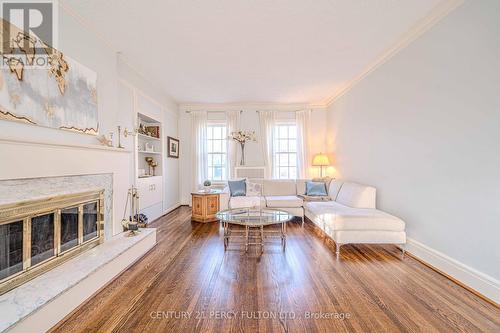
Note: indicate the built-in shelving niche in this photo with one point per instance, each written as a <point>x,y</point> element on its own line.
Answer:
<point>149,186</point>
<point>148,146</point>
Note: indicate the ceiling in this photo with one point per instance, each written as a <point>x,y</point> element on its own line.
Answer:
<point>235,51</point>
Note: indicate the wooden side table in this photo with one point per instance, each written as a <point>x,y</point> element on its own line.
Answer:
<point>204,206</point>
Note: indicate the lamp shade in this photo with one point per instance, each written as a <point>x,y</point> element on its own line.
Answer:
<point>320,160</point>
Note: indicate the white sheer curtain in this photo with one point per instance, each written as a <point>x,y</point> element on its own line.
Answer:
<point>267,119</point>
<point>304,158</point>
<point>199,148</point>
<point>233,123</point>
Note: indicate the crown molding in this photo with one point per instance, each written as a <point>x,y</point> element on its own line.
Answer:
<point>248,105</point>
<point>425,24</point>
<point>437,14</point>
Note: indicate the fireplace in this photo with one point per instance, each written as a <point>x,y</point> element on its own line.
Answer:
<point>37,235</point>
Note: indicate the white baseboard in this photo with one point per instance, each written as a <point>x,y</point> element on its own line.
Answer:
<point>171,208</point>
<point>480,282</point>
<point>164,212</point>
<point>153,212</point>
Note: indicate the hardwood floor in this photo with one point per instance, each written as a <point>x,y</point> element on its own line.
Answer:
<point>187,283</point>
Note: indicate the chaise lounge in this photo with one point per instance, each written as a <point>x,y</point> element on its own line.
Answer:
<point>352,217</point>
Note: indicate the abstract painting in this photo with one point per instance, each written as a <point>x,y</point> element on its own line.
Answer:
<point>60,94</point>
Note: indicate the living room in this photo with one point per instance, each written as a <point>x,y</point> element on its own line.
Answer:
<point>263,166</point>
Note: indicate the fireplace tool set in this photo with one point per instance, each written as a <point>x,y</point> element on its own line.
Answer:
<point>132,223</point>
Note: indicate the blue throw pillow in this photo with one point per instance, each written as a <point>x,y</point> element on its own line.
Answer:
<point>316,188</point>
<point>238,188</point>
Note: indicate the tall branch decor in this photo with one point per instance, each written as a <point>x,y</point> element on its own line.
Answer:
<point>242,137</point>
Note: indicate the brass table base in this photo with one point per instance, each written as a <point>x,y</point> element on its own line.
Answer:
<point>253,235</point>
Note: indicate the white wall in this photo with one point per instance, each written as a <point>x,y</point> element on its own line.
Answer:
<point>27,158</point>
<point>424,128</point>
<point>249,121</point>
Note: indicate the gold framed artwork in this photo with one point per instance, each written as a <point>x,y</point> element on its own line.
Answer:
<point>153,131</point>
<point>173,147</point>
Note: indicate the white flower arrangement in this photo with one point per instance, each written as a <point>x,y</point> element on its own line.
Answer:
<point>243,136</point>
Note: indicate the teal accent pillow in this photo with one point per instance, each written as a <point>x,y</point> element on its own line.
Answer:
<point>316,189</point>
<point>238,188</point>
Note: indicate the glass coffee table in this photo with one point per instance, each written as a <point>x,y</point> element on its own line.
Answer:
<point>251,219</point>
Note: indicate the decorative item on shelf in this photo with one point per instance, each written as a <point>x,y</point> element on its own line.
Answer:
<point>153,131</point>
<point>242,137</point>
<point>173,147</point>
<point>321,160</point>
<point>141,129</point>
<point>119,137</point>
<point>126,133</point>
<point>132,223</point>
<point>207,183</point>
<point>152,165</point>
<point>149,160</point>
<point>105,141</point>
<point>141,173</point>
<point>148,147</point>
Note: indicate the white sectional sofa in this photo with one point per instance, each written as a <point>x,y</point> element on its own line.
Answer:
<point>350,216</point>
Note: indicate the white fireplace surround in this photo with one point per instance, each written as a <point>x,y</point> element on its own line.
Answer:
<point>36,305</point>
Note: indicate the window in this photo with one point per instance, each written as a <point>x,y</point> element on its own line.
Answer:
<point>285,151</point>
<point>216,148</point>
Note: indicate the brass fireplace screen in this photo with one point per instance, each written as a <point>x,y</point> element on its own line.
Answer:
<point>37,235</point>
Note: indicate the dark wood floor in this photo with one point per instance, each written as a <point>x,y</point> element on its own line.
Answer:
<point>188,275</point>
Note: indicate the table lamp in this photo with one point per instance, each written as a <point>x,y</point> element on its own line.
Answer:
<point>321,160</point>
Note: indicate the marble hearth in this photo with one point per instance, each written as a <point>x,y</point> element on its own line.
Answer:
<point>41,303</point>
